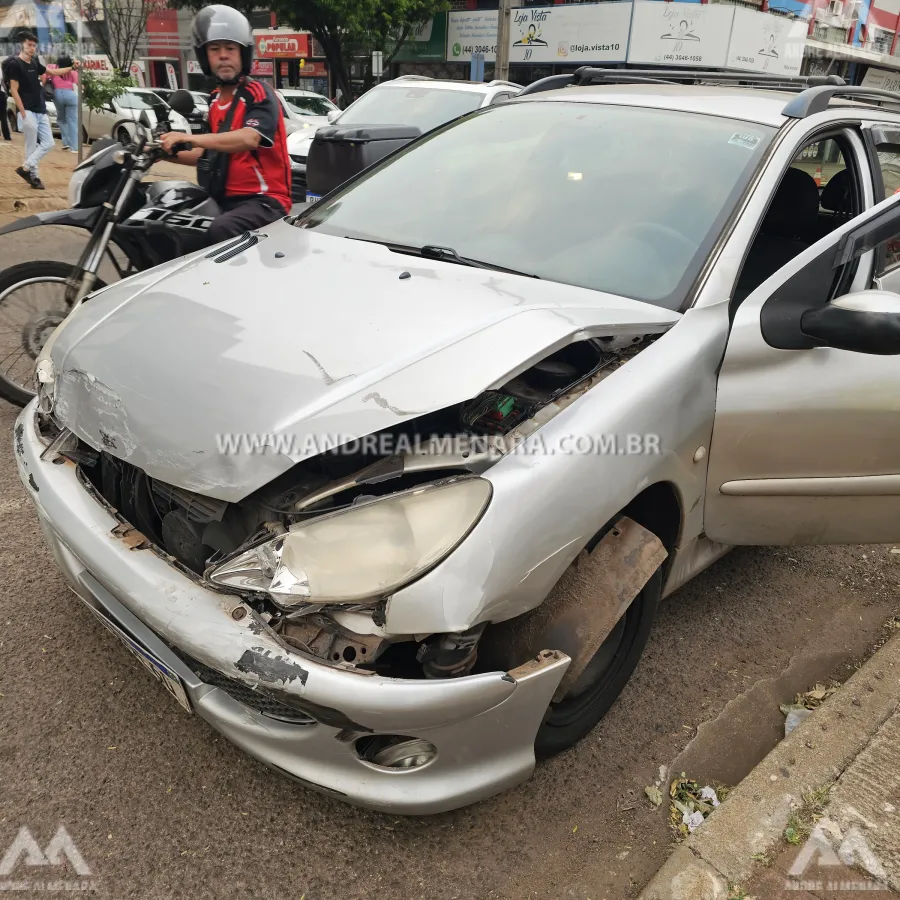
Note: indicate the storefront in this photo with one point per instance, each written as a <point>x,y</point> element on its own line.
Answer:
<point>290,60</point>
<point>551,40</point>
<point>424,52</point>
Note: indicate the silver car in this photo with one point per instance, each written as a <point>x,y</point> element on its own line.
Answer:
<point>389,492</point>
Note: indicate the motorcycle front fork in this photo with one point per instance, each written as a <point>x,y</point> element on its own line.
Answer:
<point>83,279</point>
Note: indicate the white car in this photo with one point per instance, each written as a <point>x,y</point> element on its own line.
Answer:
<point>413,100</point>
<point>130,105</point>
<point>306,108</point>
<point>13,121</point>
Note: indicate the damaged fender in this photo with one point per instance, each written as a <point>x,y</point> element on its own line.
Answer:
<point>584,606</point>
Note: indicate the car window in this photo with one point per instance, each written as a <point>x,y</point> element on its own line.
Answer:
<point>308,106</point>
<point>129,100</point>
<point>816,195</point>
<point>889,163</point>
<point>421,107</point>
<point>620,199</point>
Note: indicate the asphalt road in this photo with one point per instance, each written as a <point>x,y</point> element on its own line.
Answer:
<point>160,806</point>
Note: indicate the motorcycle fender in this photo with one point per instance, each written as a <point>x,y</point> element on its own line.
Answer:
<point>78,218</point>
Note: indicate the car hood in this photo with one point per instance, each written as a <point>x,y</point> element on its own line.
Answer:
<point>299,142</point>
<point>307,339</point>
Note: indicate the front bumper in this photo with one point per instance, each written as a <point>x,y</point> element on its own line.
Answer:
<point>483,726</point>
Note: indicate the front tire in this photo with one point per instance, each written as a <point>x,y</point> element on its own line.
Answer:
<point>32,303</point>
<point>568,721</point>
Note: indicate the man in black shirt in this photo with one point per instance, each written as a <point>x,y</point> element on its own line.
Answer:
<point>26,82</point>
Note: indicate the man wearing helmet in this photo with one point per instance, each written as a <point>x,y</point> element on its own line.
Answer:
<point>243,162</point>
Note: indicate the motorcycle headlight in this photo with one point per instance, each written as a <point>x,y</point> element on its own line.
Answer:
<point>76,183</point>
<point>363,553</point>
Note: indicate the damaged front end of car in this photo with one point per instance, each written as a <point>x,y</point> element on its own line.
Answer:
<point>280,600</point>
<point>318,552</point>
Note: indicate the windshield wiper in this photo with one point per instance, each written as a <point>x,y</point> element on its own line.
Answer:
<point>445,254</point>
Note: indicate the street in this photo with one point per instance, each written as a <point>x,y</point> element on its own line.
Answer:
<point>160,806</point>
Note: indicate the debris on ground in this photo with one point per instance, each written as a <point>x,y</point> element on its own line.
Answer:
<point>692,803</point>
<point>804,704</point>
<point>654,794</point>
<point>795,717</point>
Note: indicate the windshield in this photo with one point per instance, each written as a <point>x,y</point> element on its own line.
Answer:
<point>613,198</point>
<point>308,106</point>
<point>138,101</point>
<point>421,107</point>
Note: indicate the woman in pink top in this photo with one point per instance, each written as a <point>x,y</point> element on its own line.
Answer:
<point>65,100</point>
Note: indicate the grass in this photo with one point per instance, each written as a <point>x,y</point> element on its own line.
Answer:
<point>801,823</point>
<point>737,893</point>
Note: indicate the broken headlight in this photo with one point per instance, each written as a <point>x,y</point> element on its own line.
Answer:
<point>362,553</point>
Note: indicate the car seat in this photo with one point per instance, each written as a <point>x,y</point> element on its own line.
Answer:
<point>788,228</point>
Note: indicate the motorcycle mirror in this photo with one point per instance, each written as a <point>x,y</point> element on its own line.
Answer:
<point>182,102</point>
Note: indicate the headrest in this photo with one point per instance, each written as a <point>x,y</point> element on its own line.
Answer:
<point>795,207</point>
<point>836,194</point>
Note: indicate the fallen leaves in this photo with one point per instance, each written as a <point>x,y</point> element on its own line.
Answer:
<point>692,803</point>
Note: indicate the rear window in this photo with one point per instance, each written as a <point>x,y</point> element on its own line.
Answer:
<point>421,107</point>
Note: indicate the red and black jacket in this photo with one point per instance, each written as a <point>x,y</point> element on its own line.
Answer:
<point>267,169</point>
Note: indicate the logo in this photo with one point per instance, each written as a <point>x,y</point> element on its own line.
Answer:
<point>253,123</point>
<point>829,846</point>
<point>562,49</point>
<point>457,49</point>
<point>25,853</point>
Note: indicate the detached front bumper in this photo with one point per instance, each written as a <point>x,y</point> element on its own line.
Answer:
<point>238,675</point>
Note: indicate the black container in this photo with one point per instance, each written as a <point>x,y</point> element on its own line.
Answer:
<point>338,153</point>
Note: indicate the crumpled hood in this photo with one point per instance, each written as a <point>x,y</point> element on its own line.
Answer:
<point>304,335</point>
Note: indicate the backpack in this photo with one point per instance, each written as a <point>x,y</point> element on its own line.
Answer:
<point>4,67</point>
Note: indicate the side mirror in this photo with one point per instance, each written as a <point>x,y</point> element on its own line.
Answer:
<point>865,322</point>
<point>182,102</point>
<point>333,114</point>
<point>144,119</point>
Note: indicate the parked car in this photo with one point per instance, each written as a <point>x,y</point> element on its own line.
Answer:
<point>307,108</point>
<point>415,102</point>
<point>199,117</point>
<point>13,120</point>
<point>130,105</point>
<point>402,523</point>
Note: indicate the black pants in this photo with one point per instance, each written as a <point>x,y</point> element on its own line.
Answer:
<point>240,214</point>
<point>4,118</point>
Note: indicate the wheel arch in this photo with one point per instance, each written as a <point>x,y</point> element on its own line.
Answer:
<point>659,509</point>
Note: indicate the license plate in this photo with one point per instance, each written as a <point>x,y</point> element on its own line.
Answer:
<point>170,681</point>
<point>312,198</point>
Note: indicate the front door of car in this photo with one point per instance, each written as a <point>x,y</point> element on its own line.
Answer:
<point>806,439</point>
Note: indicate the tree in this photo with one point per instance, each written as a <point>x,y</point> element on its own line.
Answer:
<point>347,29</point>
<point>118,27</point>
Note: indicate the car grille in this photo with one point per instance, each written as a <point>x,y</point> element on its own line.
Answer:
<point>244,694</point>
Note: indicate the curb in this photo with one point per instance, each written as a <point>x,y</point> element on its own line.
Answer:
<point>753,817</point>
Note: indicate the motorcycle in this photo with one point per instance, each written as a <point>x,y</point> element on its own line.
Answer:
<point>149,223</point>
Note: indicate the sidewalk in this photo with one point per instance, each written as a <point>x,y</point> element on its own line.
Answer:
<point>832,786</point>
<point>19,199</point>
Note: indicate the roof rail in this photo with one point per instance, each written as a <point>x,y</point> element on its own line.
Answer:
<point>589,75</point>
<point>413,78</point>
<point>816,99</point>
<point>499,81</point>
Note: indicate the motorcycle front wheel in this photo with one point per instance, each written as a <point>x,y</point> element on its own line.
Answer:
<point>32,304</point>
